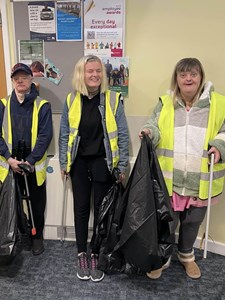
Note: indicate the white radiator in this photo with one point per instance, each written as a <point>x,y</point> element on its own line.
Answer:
<point>54,206</point>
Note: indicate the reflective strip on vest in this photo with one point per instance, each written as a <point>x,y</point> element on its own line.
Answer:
<point>74,116</point>
<point>4,164</point>
<point>165,152</point>
<point>165,148</point>
<point>40,166</point>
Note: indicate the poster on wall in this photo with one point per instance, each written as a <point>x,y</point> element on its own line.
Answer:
<point>117,71</point>
<point>32,54</point>
<point>42,20</point>
<point>104,27</point>
<point>69,24</point>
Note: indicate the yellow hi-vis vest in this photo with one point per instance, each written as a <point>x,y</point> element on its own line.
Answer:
<point>40,166</point>
<point>165,147</point>
<point>74,115</point>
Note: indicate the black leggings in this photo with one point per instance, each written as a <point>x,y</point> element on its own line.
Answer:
<point>91,180</point>
<point>190,221</point>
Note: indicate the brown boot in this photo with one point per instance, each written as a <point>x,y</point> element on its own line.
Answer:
<point>155,274</point>
<point>188,261</point>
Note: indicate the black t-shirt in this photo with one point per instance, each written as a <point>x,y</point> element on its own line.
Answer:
<point>90,128</point>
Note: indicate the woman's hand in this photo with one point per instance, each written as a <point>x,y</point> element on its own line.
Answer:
<point>216,154</point>
<point>122,177</point>
<point>144,131</point>
<point>63,174</point>
<point>118,175</point>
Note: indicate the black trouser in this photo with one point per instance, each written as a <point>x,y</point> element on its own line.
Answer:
<point>38,201</point>
<point>190,221</point>
<point>91,179</point>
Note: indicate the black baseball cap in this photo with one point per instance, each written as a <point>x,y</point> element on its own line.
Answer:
<point>21,67</point>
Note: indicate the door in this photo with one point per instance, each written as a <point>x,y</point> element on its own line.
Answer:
<point>3,89</point>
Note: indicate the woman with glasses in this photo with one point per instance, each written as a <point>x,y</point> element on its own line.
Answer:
<point>93,142</point>
<point>187,126</point>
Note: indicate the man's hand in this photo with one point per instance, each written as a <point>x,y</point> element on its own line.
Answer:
<point>32,167</point>
<point>14,164</point>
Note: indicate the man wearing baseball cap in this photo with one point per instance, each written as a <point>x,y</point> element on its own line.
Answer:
<point>30,119</point>
<point>21,67</point>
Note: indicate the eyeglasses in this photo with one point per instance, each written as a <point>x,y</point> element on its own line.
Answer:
<point>21,78</point>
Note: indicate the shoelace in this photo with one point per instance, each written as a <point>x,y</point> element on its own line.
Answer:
<point>94,262</point>
<point>83,262</point>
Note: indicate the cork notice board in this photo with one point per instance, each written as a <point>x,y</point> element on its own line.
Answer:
<point>64,54</point>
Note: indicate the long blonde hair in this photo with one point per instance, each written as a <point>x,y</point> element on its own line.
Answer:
<point>186,65</point>
<point>78,82</point>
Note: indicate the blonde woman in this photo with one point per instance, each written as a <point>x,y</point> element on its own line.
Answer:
<point>93,142</point>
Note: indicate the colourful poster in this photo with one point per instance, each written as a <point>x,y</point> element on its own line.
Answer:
<point>42,20</point>
<point>104,27</point>
<point>69,21</point>
<point>117,71</point>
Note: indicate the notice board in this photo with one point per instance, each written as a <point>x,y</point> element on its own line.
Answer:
<point>64,54</point>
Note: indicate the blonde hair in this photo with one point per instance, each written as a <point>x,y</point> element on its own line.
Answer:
<point>186,65</point>
<point>78,82</point>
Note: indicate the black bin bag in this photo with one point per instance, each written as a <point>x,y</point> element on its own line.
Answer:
<point>110,221</point>
<point>8,218</point>
<point>134,226</point>
<point>146,236</point>
<point>14,226</point>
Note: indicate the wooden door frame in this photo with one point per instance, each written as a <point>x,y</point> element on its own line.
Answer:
<point>6,43</point>
<point>3,87</point>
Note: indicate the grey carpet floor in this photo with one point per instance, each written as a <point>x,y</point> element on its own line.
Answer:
<point>52,276</point>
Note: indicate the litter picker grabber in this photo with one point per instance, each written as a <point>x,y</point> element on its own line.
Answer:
<point>27,170</point>
<point>209,205</point>
<point>64,208</point>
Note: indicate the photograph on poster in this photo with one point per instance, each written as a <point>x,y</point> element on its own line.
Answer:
<point>117,71</point>
<point>37,69</point>
<point>53,74</point>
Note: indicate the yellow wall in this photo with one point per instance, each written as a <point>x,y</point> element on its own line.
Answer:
<point>161,32</point>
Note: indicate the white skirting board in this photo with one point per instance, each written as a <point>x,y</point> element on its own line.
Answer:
<point>213,246</point>
<point>54,233</point>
